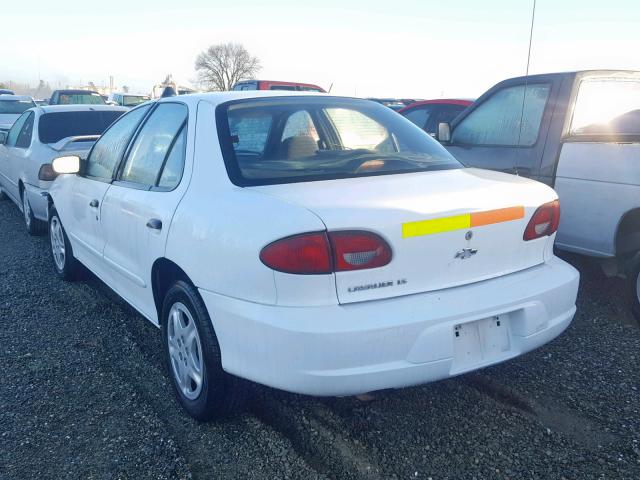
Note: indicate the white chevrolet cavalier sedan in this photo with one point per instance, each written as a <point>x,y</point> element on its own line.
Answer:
<point>312,243</point>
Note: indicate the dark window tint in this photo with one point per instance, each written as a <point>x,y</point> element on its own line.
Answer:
<point>15,106</point>
<point>282,87</point>
<point>109,148</point>
<point>152,145</point>
<point>295,139</point>
<point>53,127</point>
<point>419,115</point>
<point>502,120</point>
<point>448,113</point>
<point>174,165</point>
<point>24,137</point>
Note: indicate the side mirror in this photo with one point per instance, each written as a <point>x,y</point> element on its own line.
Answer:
<point>68,164</point>
<point>47,173</point>
<point>444,132</point>
<point>3,137</point>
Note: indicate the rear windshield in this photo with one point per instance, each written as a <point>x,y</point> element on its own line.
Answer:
<point>133,100</point>
<point>53,127</point>
<point>296,139</point>
<point>15,106</point>
<point>80,99</point>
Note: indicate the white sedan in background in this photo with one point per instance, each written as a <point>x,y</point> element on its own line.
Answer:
<point>11,107</point>
<point>38,136</point>
<point>316,244</point>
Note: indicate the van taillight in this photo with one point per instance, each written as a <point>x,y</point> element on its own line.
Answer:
<point>544,221</point>
<point>321,252</point>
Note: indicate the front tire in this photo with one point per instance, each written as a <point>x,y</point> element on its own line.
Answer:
<point>34,226</point>
<point>193,358</point>
<point>66,266</point>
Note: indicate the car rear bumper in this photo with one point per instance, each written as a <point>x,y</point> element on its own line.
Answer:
<point>360,347</point>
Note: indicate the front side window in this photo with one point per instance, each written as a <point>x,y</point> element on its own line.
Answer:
<point>294,139</point>
<point>54,126</point>
<point>502,120</point>
<point>607,106</point>
<point>152,146</point>
<point>15,107</point>
<point>108,150</point>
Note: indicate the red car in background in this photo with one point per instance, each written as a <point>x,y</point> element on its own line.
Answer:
<point>427,114</point>
<point>276,85</point>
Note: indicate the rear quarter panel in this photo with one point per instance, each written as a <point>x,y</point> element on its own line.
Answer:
<point>597,184</point>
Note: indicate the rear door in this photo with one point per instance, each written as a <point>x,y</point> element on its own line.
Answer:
<point>506,129</point>
<point>138,207</point>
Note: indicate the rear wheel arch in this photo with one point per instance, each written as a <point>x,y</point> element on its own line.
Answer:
<point>627,236</point>
<point>164,273</point>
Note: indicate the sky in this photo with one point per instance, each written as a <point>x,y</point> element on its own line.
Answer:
<point>400,48</point>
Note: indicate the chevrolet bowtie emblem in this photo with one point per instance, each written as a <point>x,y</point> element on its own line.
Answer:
<point>466,253</point>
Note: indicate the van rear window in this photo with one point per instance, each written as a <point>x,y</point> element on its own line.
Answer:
<point>53,127</point>
<point>295,139</point>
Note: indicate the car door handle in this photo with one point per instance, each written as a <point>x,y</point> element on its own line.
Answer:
<point>94,203</point>
<point>155,224</point>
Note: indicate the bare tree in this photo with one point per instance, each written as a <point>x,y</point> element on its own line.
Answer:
<point>221,66</point>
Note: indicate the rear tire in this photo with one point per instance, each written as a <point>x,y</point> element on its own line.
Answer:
<point>34,226</point>
<point>193,358</point>
<point>3,196</point>
<point>65,264</point>
<point>634,289</point>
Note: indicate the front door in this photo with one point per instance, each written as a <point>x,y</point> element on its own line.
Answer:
<point>505,130</point>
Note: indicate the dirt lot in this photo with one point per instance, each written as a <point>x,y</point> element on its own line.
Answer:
<point>83,395</point>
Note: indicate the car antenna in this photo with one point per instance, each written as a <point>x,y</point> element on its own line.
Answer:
<point>330,87</point>
<point>526,79</point>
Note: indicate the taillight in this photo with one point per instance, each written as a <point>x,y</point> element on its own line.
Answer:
<point>357,250</point>
<point>544,221</point>
<point>304,254</point>
<point>321,252</point>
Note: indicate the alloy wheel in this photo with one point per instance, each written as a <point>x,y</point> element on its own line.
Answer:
<point>185,351</point>
<point>57,243</point>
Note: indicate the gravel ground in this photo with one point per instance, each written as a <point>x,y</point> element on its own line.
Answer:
<point>83,394</point>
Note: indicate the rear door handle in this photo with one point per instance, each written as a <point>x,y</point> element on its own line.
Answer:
<point>154,224</point>
<point>94,203</point>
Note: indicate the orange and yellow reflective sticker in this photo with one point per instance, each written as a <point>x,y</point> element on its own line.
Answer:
<point>459,222</point>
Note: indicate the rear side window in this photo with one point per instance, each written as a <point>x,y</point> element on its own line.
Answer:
<point>607,106</point>
<point>294,139</point>
<point>501,119</point>
<point>53,127</point>
<point>153,145</point>
<point>108,150</point>
<point>24,137</point>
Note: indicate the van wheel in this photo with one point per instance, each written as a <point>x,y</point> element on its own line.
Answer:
<point>634,287</point>
<point>34,226</point>
<point>67,267</point>
<point>193,359</point>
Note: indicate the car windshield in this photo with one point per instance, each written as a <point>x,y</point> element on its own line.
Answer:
<point>15,106</point>
<point>133,100</point>
<point>53,127</point>
<point>80,99</point>
<point>295,139</point>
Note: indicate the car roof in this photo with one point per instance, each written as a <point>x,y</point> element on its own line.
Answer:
<point>5,97</point>
<point>221,97</point>
<point>80,108</point>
